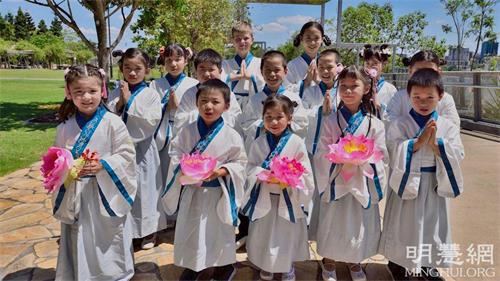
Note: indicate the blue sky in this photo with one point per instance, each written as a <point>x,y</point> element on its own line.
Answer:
<point>274,23</point>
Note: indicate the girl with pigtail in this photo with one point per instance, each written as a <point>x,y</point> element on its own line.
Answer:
<point>303,69</point>
<point>375,58</point>
<point>140,109</point>
<point>170,89</point>
<point>96,234</point>
<point>349,218</point>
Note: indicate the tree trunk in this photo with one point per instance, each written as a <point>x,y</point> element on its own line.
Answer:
<point>478,41</point>
<point>102,35</point>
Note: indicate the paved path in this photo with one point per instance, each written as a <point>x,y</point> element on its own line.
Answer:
<point>29,234</point>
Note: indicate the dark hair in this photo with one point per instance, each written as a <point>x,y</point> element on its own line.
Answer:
<point>173,49</point>
<point>271,54</point>
<point>426,77</point>
<point>131,53</point>
<point>380,53</point>
<point>214,85</point>
<point>424,55</point>
<point>359,73</point>
<point>286,104</point>
<point>74,73</point>
<point>327,52</point>
<point>208,55</point>
<point>306,26</point>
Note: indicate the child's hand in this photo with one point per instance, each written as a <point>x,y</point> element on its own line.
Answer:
<point>312,74</point>
<point>91,168</point>
<point>173,100</point>
<point>432,139</point>
<point>424,137</point>
<point>244,73</point>
<point>327,104</point>
<point>124,91</point>
<point>221,172</point>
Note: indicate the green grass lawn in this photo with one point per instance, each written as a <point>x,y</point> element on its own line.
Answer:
<point>22,144</point>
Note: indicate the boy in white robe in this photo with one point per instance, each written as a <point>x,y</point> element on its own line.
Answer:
<point>273,69</point>
<point>243,71</point>
<point>208,65</point>
<point>207,214</point>
<point>140,109</point>
<point>96,231</point>
<point>426,153</point>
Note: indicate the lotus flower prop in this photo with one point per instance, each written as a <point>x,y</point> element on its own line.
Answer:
<point>284,172</point>
<point>354,152</point>
<point>58,167</point>
<point>196,168</point>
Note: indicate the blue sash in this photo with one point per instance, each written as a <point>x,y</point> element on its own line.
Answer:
<point>207,135</point>
<point>275,149</point>
<point>306,58</point>
<point>135,90</point>
<point>88,128</point>
<point>353,121</point>
<point>269,93</point>
<point>380,83</point>
<point>174,84</point>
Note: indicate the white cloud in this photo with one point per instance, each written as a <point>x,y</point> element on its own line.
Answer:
<point>272,27</point>
<point>297,19</point>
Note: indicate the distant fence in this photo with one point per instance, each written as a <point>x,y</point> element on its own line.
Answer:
<point>476,95</point>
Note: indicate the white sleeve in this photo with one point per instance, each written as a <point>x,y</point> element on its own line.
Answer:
<point>186,112</point>
<point>448,165</point>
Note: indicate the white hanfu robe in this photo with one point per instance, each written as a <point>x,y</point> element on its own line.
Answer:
<point>421,185</point>
<point>206,215</point>
<point>312,99</point>
<point>385,92</point>
<point>142,114</point>
<point>400,105</point>
<point>188,112</point>
<point>252,123</point>
<point>349,218</point>
<point>96,231</point>
<point>244,89</point>
<point>164,133</point>
<point>297,69</point>
<point>277,235</point>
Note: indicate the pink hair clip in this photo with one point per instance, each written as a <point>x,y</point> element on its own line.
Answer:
<point>372,72</point>
<point>66,71</point>
<point>339,68</point>
<point>103,73</point>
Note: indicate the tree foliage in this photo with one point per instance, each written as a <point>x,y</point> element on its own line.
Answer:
<point>482,25</point>
<point>461,14</point>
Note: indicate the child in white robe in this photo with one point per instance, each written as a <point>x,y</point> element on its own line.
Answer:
<point>273,69</point>
<point>400,103</point>
<point>349,218</point>
<point>208,65</point>
<point>207,214</point>
<point>170,88</point>
<point>426,154</point>
<point>320,100</point>
<point>96,231</point>
<point>140,108</point>
<point>376,58</point>
<point>278,229</point>
<point>303,70</point>
<point>243,71</point>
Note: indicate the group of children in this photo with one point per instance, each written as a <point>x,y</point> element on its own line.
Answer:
<point>245,111</point>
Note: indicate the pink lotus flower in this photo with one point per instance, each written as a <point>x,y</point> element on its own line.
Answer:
<point>354,152</point>
<point>284,172</point>
<point>196,168</point>
<point>56,165</point>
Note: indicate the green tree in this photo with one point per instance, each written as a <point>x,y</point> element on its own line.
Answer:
<point>409,31</point>
<point>24,45</point>
<point>102,12</point>
<point>482,24</point>
<point>197,24</point>
<point>431,43</point>
<point>6,29</point>
<point>20,27</point>
<point>9,17</point>
<point>30,25</point>
<point>461,13</point>
<point>289,49</point>
<point>42,27</point>
<point>56,27</point>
